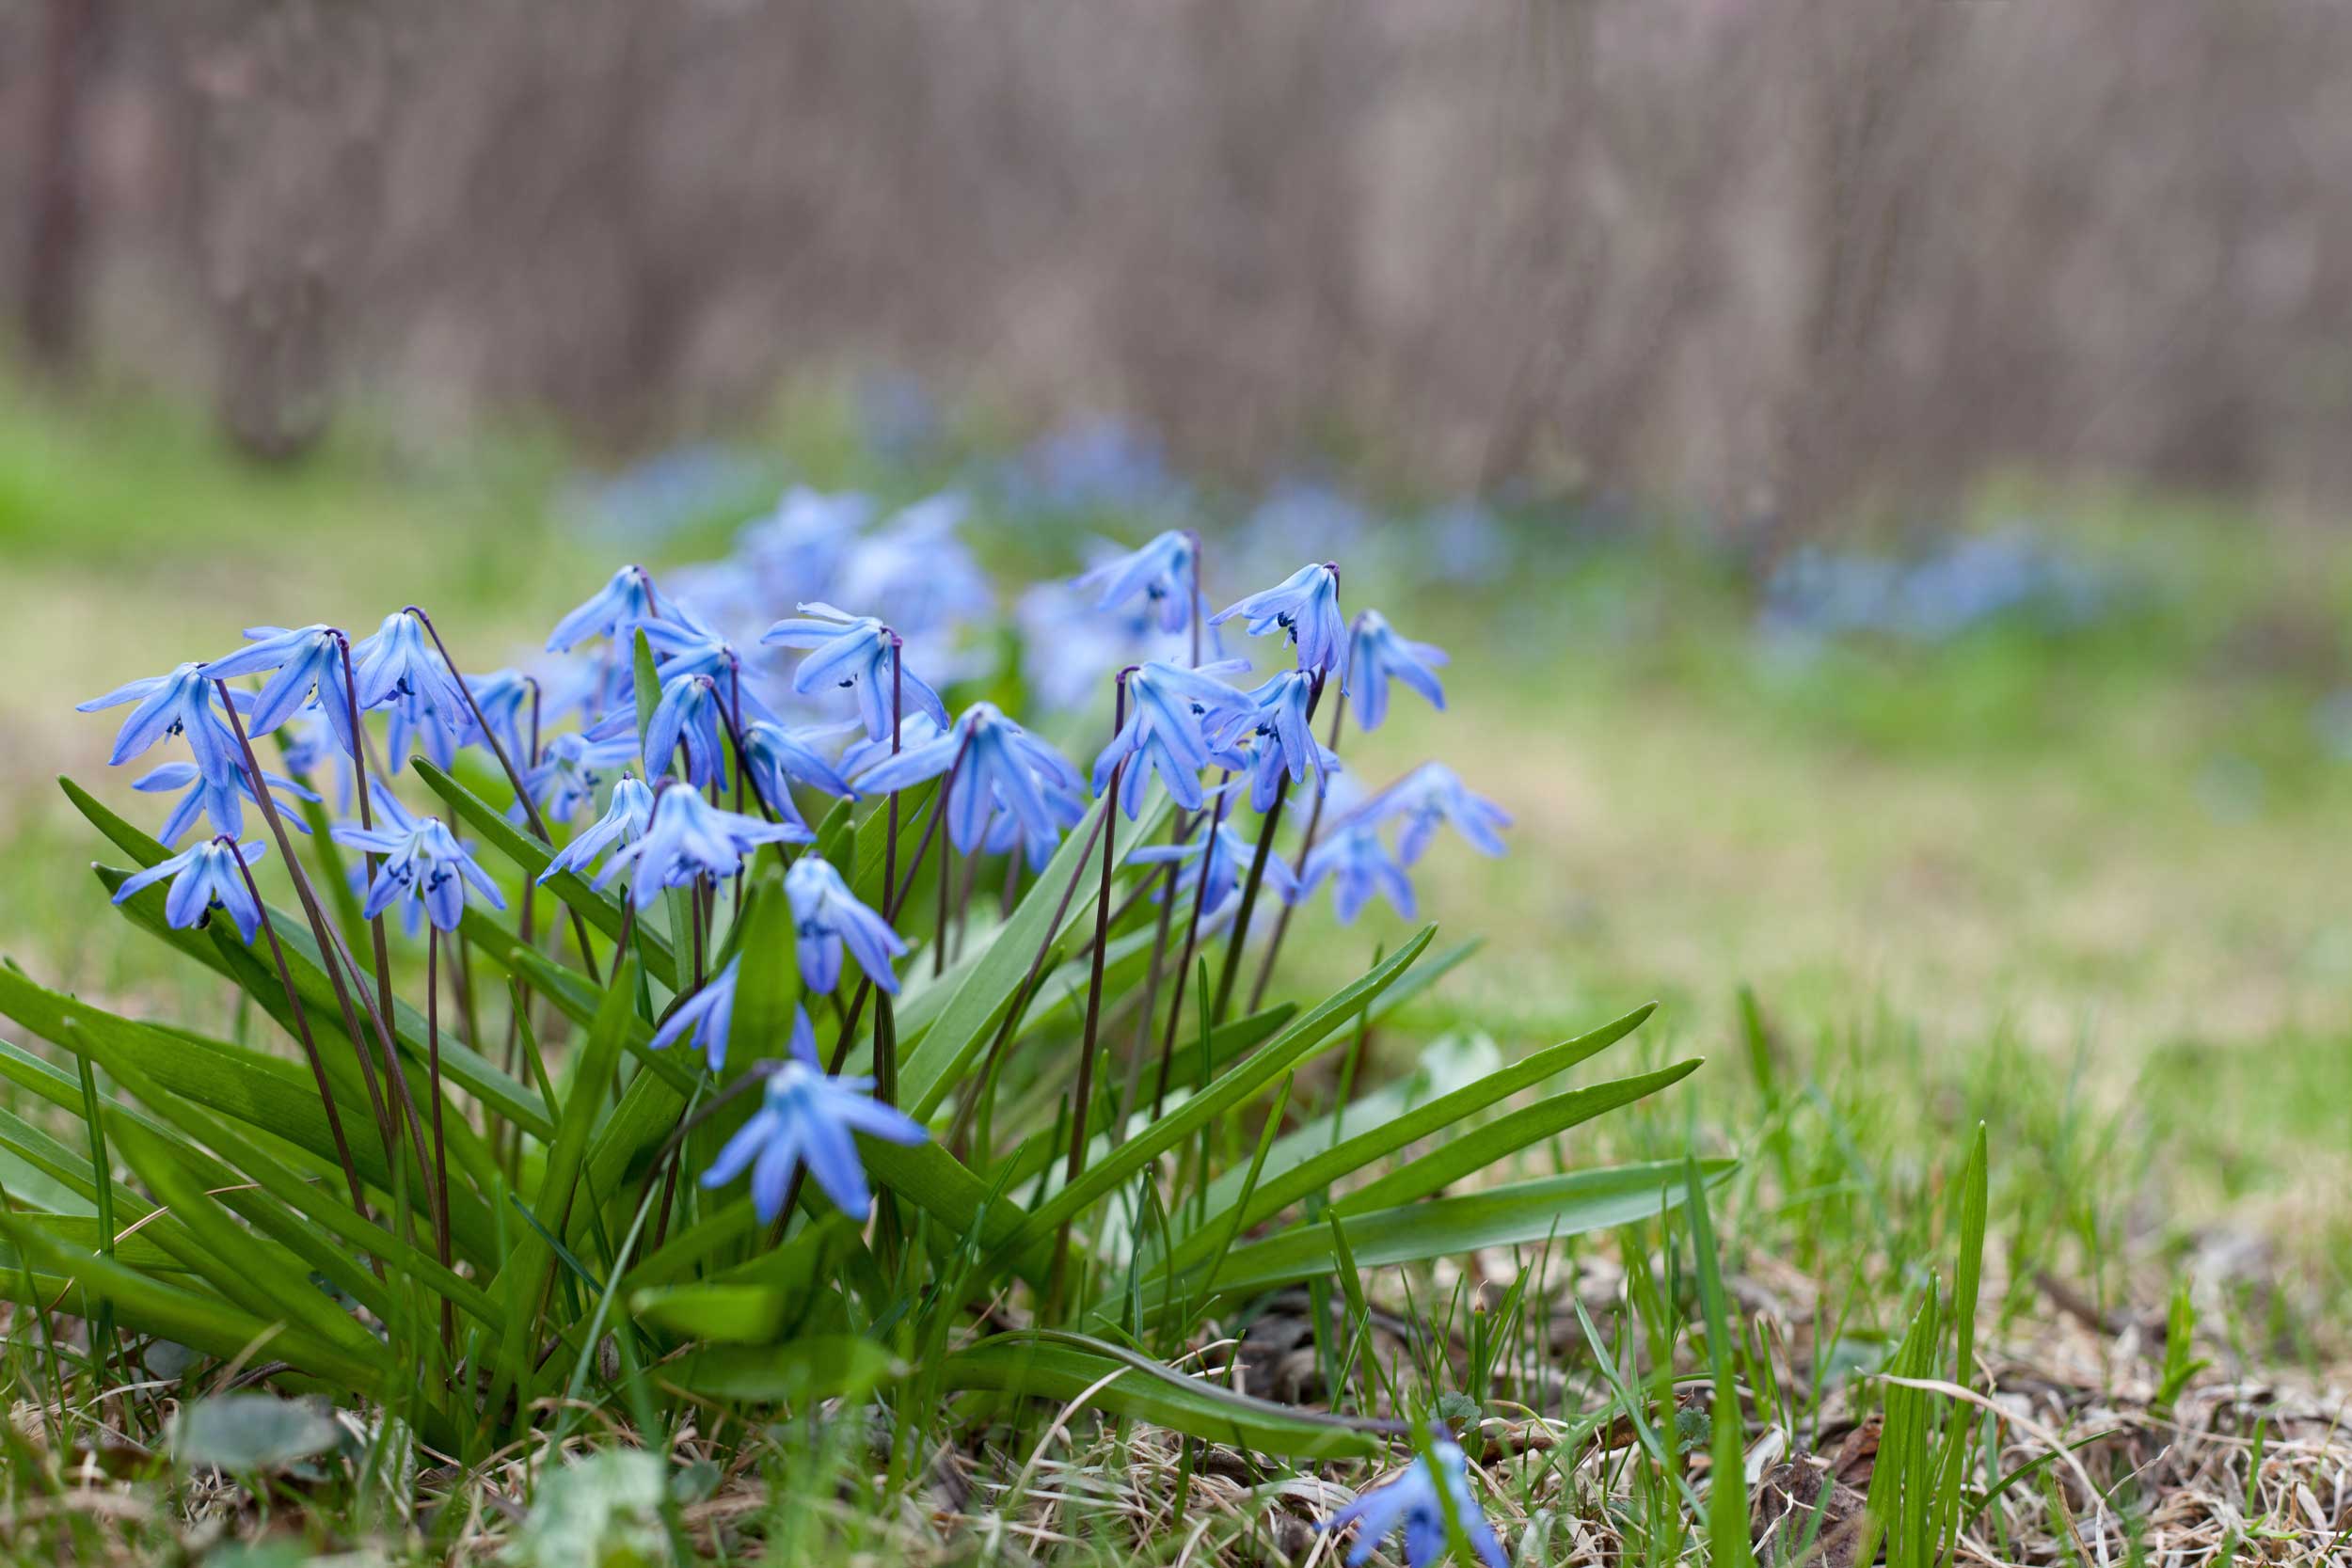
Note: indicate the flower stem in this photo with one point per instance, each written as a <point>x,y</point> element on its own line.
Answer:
<point>1306,845</point>
<point>490,736</point>
<point>1192,940</point>
<point>440,1149</point>
<point>1085,1098</point>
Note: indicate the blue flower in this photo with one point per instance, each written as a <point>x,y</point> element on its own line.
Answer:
<point>826,917</point>
<point>1360,865</point>
<point>780,758</point>
<point>221,804</point>
<point>1003,764</point>
<point>401,661</point>
<point>310,742</point>
<point>863,752</point>
<point>309,662</point>
<point>708,1013</point>
<point>1169,713</point>
<point>1229,859</point>
<point>570,769</point>
<point>1304,605</point>
<point>622,821</point>
<point>1006,832</point>
<point>1272,739</point>
<point>419,723</point>
<point>208,877</point>
<point>916,565</point>
<point>684,644</point>
<point>1161,571</point>
<point>800,545</point>
<point>853,651</point>
<point>1413,1501</point>
<point>178,704</point>
<point>1376,655</point>
<point>422,860</point>
<point>687,838</point>
<point>628,596</point>
<point>1429,796</point>
<point>689,710</point>
<point>504,697</point>
<point>807,1116</point>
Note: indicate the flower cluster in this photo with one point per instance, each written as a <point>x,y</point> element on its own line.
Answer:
<point>845,697</point>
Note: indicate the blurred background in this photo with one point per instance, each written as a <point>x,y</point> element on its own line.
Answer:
<point>1877,465</point>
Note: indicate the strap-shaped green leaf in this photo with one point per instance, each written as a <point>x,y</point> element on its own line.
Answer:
<point>1047,1364</point>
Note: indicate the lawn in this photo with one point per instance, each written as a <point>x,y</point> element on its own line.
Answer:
<point>2072,879</point>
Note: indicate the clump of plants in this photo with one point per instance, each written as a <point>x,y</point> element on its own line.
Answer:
<point>738,1018</point>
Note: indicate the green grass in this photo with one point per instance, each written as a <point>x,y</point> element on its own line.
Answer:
<point>2073,889</point>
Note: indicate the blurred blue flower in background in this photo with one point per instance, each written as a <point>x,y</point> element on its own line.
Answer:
<point>918,566</point>
<point>1358,866</point>
<point>1430,796</point>
<point>571,767</point>
<point>1161,572</point>
<point>1375,655</point>
<point>669,491</point>
<point>1413,1501</point>
<point>1227,861</point>
<point>1101,464</point>
<point>796,551</point>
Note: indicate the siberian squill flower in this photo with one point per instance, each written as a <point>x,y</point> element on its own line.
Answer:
<point>1429,796</point>
<point>1170,711</point>
<point>853,651</point>
<point>1376,655</point>
<point>399,667</point>
<point>1305,607</point>
<point>628,596</point>
<point>308,661</point>
<point>685,645</point>
<point>221,804</point>
<point>1006,833</point>
<point>867,752</point>
<point>419,723</point>
<point>827,917</point>
<point>805,1116</point>
<point>1002,763</point>
<point>687,838</point>
<point>1360,865</point>
<point>689,711</point>
<point>1413,1501</point>
<point>570,769</point>
<point>504,697</point>
<point>179,702</point>
<point>1279,740</point>
<point>208,877</point>
<point>422,860</point>
<point>780,758</point>
<point>1227,862</point>
<point>623,821</point>
<point>916,565</point>
<point>1161,571</point>
<point>308,742</point>
<point>708,1014</point>
<point>798,547</point>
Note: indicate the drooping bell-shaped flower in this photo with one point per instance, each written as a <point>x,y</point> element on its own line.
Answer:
<point>401,661</point>
<point>854,651</point>
<point>504,697</point>
<point>209,876</point>
<point>1377,655</point>
<point>1430,796</point>
<point>1273,740</point>
<point>1002,763</point>
<point>781,757</point>
<point>179,702</point>
<point>623,822</point>
<point>704,1017</point>
<point>1171,712</point>
<point>222,805</point>
<point>688,838</point>
<point>1305,608</point>
<point>807,1117</point>
<point>1358,866</point>
<point>1161,571</point>
<point>827,918</point>
<point>628,596</point>
<point>309,663</point>
<point>1225,865</point>
<point>570,769</point>
<point>424,861</point>
<point>1412,1501</point>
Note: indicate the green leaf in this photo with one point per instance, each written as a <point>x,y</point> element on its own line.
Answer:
<point>1229,1092</point>
<point>1522,1215</point>
<point>796,1373</point>
<point>934,1063</point>
<point>1047,1364</point>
